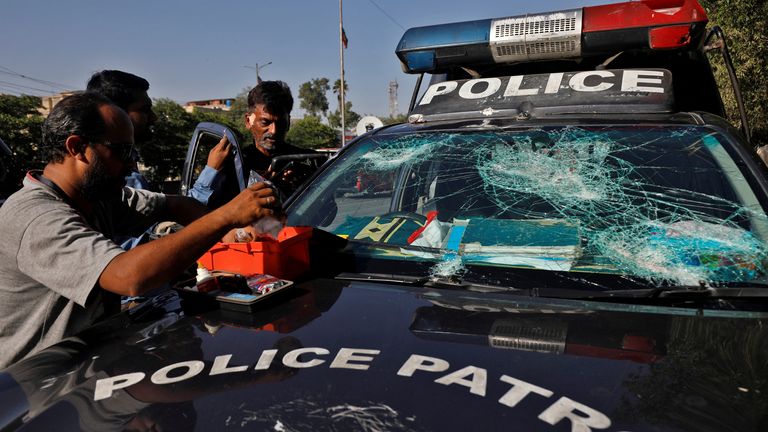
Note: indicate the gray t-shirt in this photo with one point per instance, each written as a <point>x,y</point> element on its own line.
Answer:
<point>51,259</point>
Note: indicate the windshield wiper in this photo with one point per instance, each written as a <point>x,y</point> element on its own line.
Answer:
<point>384,278</point>
<point>425,281</point>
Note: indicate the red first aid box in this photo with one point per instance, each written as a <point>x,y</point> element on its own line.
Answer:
<point>287,257</point>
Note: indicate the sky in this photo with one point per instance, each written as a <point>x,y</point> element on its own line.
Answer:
<point>195,50</point>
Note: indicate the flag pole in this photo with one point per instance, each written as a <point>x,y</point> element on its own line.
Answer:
<point>343,106</point>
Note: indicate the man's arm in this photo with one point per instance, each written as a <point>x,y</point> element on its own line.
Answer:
<point>211,177</point>
<point>148,266</point>
<point>205,185</point>
<point>183,210</point>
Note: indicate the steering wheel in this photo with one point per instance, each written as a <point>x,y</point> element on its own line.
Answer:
<point>420,219</point>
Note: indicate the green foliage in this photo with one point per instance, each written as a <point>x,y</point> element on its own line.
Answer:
<point>745,24</point>
<point>310,133</point>
<point>164,155</point>
<point>400,118</point>
<point>236,116</point>
<point>337,91</point>
<point>20,128</point>
<point>350,117</point>
<point>312,95</point>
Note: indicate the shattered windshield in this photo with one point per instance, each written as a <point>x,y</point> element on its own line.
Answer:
<point>667,204</point>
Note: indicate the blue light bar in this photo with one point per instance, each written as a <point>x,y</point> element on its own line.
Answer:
<point>423,49</point>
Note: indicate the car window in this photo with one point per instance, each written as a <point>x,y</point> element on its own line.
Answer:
<point>664,203</point>
<point>205,142</point>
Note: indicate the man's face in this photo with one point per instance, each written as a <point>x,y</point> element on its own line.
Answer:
<point>268,129</point>
<point>110,159</point>
<point>142,117</point>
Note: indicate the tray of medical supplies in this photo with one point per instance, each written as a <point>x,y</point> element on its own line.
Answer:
<point>286,256</point>
<point>233,291</point>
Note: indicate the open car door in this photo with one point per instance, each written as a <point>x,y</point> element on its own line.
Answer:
<point>290,171</point>
<point>205,137</point>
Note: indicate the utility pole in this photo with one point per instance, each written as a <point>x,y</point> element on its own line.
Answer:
<point>257,68</point>
<point>343,107</point>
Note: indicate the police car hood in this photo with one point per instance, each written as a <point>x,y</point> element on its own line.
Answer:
<point>334,355</point>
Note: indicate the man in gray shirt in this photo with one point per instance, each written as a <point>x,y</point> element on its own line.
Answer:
<point>60,270</point>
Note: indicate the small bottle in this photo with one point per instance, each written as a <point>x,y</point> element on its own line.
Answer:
<point>205,280</point>
<point>267,225</point>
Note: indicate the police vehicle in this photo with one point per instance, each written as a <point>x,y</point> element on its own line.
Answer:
<point>570,244</point>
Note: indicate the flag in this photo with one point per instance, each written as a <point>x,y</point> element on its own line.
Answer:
<point>344,40</point>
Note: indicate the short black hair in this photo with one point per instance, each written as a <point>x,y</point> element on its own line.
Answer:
<point>274,95</point>
<point>75,115</point>
<point>120,87</point>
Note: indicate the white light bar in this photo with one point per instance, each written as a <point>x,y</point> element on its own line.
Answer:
<point>536,37</point>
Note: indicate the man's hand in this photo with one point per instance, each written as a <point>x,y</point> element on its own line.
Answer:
<point>151,264</point>
<point>219,153</point>
<point>253,203</point>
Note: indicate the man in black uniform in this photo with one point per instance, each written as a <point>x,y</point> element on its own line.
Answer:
<point>268,118</point>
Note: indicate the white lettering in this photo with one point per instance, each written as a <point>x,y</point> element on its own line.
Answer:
<point>513,87</point>
<point>567,408</point>
<point>105,386</point>
<point>437,90</point>
<point>520,389</point>
<point>265,359</point>
<point>577,81</point>
<point>418,362</point>
<point>292,358</point>
<point>632,79</point>
<point>494,84</point>
<point>193,367</point>
<point>553,83</point>
<point>347,355</point>
<point>477,383</point>
<point>221,365</point>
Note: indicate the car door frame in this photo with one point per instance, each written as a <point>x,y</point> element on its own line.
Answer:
<point>215,129</point>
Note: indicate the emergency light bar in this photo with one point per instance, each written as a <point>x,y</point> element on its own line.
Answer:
<point>606,29</point>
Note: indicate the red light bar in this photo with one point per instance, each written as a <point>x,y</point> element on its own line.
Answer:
<point>649,13</point>
<point>654,24</point>
<point>670,37</point>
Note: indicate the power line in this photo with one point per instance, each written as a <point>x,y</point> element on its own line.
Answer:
<point>19,86</point>
<point>7,71</point>
<point>385,13</point>
<point>4,90</point>
<point>10,91</point>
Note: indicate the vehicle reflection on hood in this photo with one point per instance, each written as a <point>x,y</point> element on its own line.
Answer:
<point>571,332</point>
<point>686,356</point>
<point>136,376</point>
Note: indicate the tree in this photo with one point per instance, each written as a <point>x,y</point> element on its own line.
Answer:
<point>337,91</point>
<point>745,24</point>
<point>236,115</point>
<point>350,117</point>
<point>20,129</point>
<point>310,133</point>
<point>399,118</point>
<point>312,95</point>
<point>164,155</point>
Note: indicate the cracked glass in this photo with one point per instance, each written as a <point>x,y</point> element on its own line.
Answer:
<point>665,204</point>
